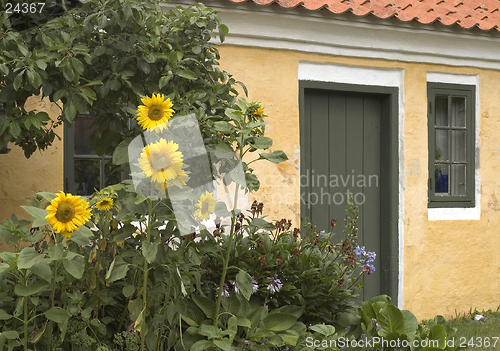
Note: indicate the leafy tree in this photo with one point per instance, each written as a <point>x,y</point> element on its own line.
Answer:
<point>100,57</point>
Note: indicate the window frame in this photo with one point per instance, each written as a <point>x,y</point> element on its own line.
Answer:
<point>469,93</point>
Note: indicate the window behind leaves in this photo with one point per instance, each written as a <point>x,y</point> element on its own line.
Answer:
<point>84,170</point>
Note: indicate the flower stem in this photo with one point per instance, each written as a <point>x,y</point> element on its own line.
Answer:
<point>145,278</point>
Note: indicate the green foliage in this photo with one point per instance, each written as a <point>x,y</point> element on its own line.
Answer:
<point>100,58</point>
<point>391,329</point>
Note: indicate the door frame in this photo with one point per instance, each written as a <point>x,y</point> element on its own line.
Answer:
<point>389,170</point>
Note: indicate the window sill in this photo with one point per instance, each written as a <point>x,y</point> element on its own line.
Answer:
<point>454,214</point>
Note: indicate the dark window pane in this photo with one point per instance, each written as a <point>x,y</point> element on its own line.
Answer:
<point>442,111</point>
<point>86,176</point>
<point>458,111</point>
<point>458,180</point>
<point>83,130</point>
<point>458,145</point>
<point>442,179</point>
<point>441,152</point>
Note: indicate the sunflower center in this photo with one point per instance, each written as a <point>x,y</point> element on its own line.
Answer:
<point>155,113</point>
<point>161,162</point>
<point>204,207</point>
<point>65,212</point>
<point>105,203</point>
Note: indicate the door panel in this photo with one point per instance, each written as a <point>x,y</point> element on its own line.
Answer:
<point>342,154</point>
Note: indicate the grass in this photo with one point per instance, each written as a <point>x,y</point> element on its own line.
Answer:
<point>473,333</point>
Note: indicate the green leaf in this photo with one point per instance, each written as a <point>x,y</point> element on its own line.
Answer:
<point>206,305</point>
<point>82,236</point>
<point>224,127</point>
<point>275,156</point>
<point>392,322</point>
<point>120,155</point>
<point>67,71</point>
<point>411,323</point>
<point>42,270</point>
<point>149,250</point>
<point>55,251</point>
<point>77,65</point>
<point>279,321</point>
<point>128,290</point>
<point>438,332</point>
<point>244,322</point>
<point>260,142</point>
<point>41,64</point>
<point>10,334</point>
<point>4,315</point>
<point>223,30</point>
<point>201,345</point>
<point>290,337</point>
<point>37,214</point>
<point>15,129</point>
<point>74,264</point>
<point>18,80</point>
<point>57,314</point>
<point>224,344</point>
<point>4,69</point>
<point>31,289</point>
<point>244,283</point>
<point>325,330</point>
<point>186,73</point>
<point>70,112</point>
<point>232,325</point>
<point>29,257</point>
<point>163,81</point>
<point>117,270</point>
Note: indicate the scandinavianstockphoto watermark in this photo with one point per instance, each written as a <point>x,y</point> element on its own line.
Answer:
<point>324,187</point>
<point>373,342</point>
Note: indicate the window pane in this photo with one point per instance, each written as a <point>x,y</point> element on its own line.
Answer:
<point>442,179</point>
<point>442,111</point>
<point>458,145</point>
<point>458,111</point>
<point>83,131</point>
<point>442,153</point>
<point>458,179</point>
<point>86,177</point>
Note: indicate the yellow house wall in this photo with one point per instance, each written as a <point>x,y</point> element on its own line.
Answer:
<point>449,266</point>
<point>20,176</point>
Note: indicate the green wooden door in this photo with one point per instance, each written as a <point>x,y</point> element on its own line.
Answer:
<point>341,154</point>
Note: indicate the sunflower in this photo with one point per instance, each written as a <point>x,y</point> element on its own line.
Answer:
<point>259,111</point>
<point>205,205</point>
<point>163,163</point>
<point>105,204</point>
<point>155,112</point>
<point>67,213</point>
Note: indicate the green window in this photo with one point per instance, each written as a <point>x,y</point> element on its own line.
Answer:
<point>84,170</point>
<point>451,122</point>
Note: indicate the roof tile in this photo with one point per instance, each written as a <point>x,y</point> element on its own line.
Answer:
<point>484,14</point>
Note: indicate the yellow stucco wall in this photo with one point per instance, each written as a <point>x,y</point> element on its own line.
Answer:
<point>43,171</point>
<point>450,266</point>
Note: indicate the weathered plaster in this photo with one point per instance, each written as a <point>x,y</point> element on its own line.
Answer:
<point>20,176</point>
<point>449,266</point>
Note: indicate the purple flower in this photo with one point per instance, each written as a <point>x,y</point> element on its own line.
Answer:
<point>225,292</point>
<point>236,290</point>
<point>255,286</point>
<point>275,284</point>
<point>365,258</point>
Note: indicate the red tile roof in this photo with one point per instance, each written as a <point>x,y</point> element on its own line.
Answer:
<point>484,14</point>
